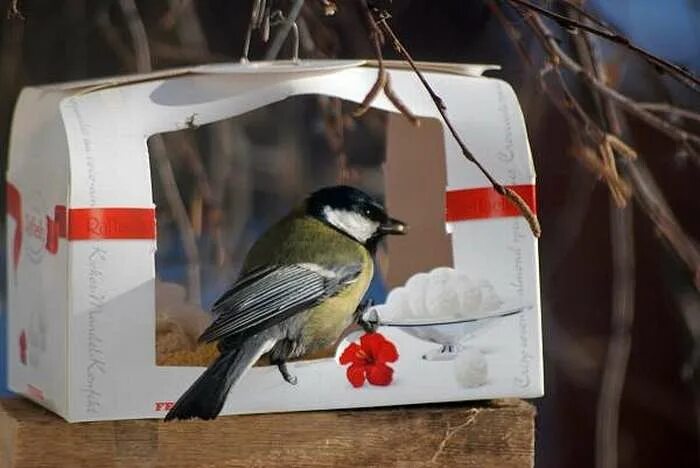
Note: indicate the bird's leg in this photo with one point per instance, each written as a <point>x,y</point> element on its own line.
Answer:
<point>366,317</point>
<point>286,375</point>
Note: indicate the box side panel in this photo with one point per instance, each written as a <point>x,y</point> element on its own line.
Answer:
<point>502,248</point>
<point>37,181</point>
<point>112,325</point>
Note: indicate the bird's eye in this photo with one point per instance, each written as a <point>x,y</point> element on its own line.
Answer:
<point>367,212</point>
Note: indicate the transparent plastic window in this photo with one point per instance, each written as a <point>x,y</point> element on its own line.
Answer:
<point>220,186</point>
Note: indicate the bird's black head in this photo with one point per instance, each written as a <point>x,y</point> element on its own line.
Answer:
<point>354,213</point>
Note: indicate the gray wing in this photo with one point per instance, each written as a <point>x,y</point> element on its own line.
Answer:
<point>269,295</point>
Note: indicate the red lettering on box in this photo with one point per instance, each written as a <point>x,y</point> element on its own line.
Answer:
<point>164,405</point>
<point>77,224</point>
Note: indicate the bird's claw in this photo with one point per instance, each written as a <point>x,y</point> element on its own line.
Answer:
<point>286,375</point>
<point>367,316</point>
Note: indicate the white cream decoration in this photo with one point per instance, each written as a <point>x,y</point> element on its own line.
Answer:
<point>490,300</point>
<point>470,293</point>
<point>471,368</point>
<point>415,291</point>
<point>397,302</point>
<point>442,294</point>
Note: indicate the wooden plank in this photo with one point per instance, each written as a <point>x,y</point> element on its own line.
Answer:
<point>497,434</point>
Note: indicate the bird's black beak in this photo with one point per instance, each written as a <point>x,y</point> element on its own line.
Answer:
<point>393,226</point>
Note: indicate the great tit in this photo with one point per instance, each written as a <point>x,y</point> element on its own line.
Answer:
<point>300,287</point>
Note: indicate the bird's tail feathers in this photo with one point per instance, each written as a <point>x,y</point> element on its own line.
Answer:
<point>207,395</point>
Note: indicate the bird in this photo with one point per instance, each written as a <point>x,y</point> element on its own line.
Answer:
<point>301,285</point>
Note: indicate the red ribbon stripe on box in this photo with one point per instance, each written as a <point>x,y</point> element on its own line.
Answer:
<point>111,223</point>
<point>485,202</point>
<point>14,210</point>
<point>83,223</point>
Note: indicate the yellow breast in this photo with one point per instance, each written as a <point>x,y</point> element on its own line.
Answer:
<point>327,321</point>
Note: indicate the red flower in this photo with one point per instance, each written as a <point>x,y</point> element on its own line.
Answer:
<point>368,360</point>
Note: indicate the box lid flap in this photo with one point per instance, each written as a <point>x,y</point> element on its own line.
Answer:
<point>279,66</point>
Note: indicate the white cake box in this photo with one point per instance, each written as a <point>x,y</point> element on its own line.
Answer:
<point>81,243</point>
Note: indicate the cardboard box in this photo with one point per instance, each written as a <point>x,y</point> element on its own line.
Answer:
<point>81,242</point>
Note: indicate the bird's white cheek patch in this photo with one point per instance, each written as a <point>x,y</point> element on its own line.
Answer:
<point>353,224</point>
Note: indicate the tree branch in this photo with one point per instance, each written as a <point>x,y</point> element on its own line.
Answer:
<point>646,191</point>
<point>623,285</point>
<point>657,211</point>
<point>680,73</point>
<point>383,82</point>
<point>13,10</point>
<point>502,190</point>
<point>137,31</point>
<point>665,108</point>
<point>574,114</point>
<point>686,139</point>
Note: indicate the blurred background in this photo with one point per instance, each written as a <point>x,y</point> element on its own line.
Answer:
<point>583,261</point>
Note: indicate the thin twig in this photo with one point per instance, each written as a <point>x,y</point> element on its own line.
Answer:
<point>622,320</point>
<point>13,11</point>
<point>678,72</point>
<point>502,190</point>
<point>602,140</point>
<point>618,187</point>
<point>651,200</point>
<point>376,39</point>
<point>196,165</point>
<point>383,81</point>
<point>646,192</point>
<point>113,38</point>
<point>622,148</point>
<point>577,7</point>
<point>550,44</point>
<point>398,103</point>
<point>571,110</point>
<point>179,211</point>
<point>608,156</point>
<point>665,108</point>
<point>137,31</point>
<point>333,125</point>
<point>379,83</point>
